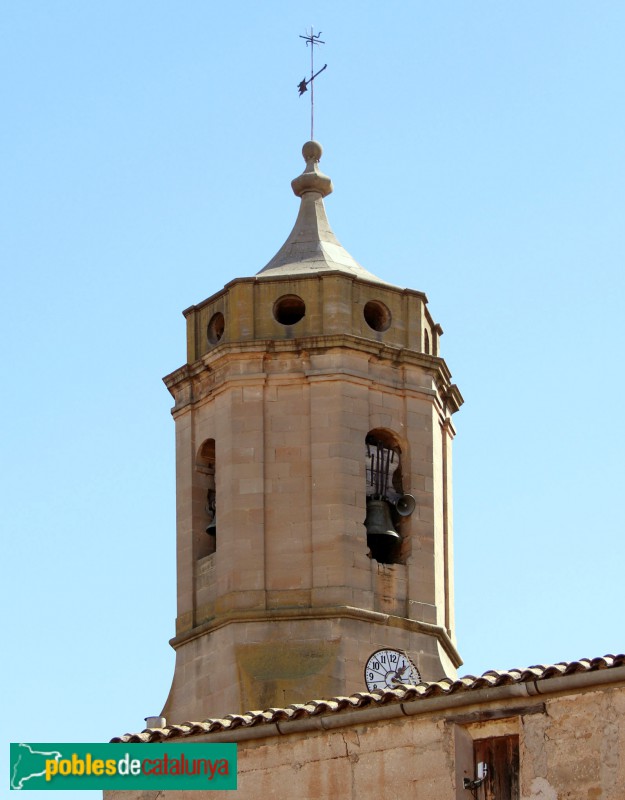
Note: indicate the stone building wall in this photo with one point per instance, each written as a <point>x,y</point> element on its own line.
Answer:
<point>571,744</point>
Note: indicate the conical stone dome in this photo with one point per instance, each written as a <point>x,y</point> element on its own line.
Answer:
<point>312,246</point>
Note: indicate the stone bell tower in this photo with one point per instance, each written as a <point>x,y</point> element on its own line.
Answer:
<point>313,458</point>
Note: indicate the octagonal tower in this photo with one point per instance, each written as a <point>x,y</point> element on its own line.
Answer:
<point>313,401</point>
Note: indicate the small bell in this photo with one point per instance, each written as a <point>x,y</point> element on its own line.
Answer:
<point>212,525</point>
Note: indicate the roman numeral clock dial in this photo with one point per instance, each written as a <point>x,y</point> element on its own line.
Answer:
<point>388,669</point>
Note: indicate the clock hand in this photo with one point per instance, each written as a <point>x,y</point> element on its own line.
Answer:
<point>399,674</point>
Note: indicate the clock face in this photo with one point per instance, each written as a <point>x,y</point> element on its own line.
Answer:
<point>388,669</point>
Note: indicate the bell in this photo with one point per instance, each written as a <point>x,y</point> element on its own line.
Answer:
<point>212,525</point>
<point>379,524</point>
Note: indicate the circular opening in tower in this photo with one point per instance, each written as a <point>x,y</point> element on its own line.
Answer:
<point>377,315</point>
<point>289,309</point>
<point>216,328</point>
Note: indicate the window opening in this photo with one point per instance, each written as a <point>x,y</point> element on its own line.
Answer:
<point>386,501</point>
<point>206,472</point>
<point>215,328</point>
<point>289,309</point>
<point>377,316</point>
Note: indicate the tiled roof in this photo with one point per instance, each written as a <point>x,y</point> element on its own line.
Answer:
<point>380,697</point>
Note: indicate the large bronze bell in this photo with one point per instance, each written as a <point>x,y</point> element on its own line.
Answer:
<point>378,521</point>
<point>382,538</point>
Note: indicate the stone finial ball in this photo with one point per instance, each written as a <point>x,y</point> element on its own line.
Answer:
<point>312,151</point>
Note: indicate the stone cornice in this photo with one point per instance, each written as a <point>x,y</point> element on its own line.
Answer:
<point>324,612</point>
<point>212,361</point>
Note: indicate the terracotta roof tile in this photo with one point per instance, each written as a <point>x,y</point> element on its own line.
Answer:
<point>378,697</point>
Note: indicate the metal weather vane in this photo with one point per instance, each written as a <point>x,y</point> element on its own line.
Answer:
<point>312,39</point>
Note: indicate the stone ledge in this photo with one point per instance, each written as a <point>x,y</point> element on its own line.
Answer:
<point>336,612</point>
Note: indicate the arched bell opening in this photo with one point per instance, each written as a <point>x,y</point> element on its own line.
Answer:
<point>387,502</point>
<point>205,501</point>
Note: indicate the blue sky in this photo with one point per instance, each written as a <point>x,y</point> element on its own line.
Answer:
<point>476,150</point>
